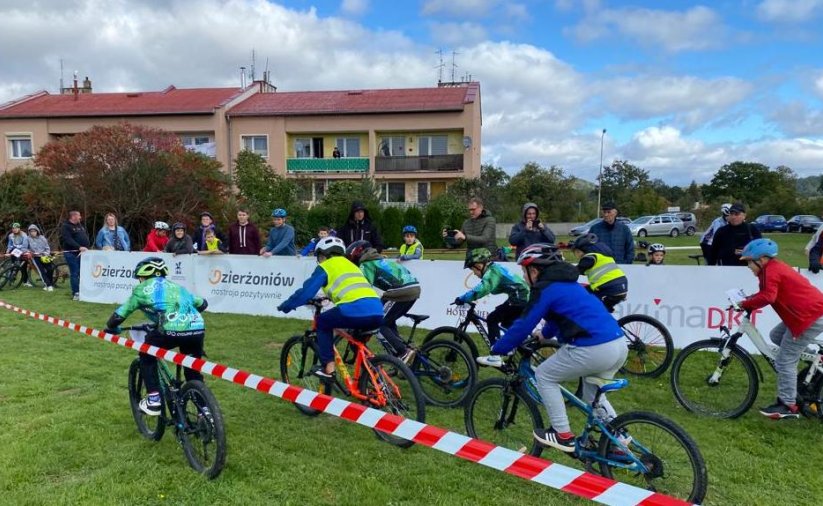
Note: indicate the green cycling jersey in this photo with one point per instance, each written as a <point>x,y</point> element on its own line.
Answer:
<point>496,280</point>
<point>168,305</point>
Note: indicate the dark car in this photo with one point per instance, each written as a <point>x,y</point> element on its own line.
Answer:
<point>584,228</point>
<point>771,223</point>
<point>803,223</point>
<point>689,221</point>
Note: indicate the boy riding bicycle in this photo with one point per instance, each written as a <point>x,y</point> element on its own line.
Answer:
<point>357,305</point>
<point>593,342</point>
<point>174,311</point>
<point>596,261</point>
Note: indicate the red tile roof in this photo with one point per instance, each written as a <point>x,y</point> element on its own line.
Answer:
<point>302,103</point>
<point>169,101</point>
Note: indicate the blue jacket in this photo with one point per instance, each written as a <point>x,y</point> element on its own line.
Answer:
<point>105,237</point>
<point>618,237</point>
<point>308,249</point>
<point>370,306</point>
<point>572,314</point>
<point>281,240</point>
<point>20,241</point>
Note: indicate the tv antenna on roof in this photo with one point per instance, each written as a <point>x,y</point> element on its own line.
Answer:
<point>440,66</point>
<point>454,64</point>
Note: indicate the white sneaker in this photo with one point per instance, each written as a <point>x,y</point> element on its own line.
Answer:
<point>491,360</point>
<point>76,296</point>
<point>49,288</point>
<point>29,285</point>
<point>151,405</point>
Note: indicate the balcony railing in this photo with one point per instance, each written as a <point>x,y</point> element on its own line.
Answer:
<point>303,165</point>
<point>418,163</point>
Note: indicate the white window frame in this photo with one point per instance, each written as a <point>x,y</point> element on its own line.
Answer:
<point>389,140</point>
<point>342,144</point>
<point>428,140</point>
<point>192,140</point>
<point>13,139</point>
<point>428,191</point>
<point>255,136</point>
<point>384,191</point>
<point>307,142</point>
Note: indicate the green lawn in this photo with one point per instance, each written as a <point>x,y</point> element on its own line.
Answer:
<point>67,435</point>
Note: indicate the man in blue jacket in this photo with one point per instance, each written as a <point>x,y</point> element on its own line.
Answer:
<point>281,236</point>
<point>614,234</point>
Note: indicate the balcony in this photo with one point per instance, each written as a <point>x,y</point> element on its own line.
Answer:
<point>439,163</point>
<point>326,165</point>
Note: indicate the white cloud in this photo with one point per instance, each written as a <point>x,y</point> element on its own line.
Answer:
<point>469,8</point>
<point>789,11</point>
<point>818,85</point>
<point>455,35</point>
<point>796,118</point>
<point>354,7</point>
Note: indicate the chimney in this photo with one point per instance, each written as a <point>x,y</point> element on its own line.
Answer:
<point>86,85</point>
<point>74,88</point>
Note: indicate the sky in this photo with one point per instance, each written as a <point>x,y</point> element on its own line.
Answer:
<point>680,87</point>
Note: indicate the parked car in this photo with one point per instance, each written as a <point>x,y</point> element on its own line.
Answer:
<point>771,223</point>
<point>663,224</point>
<point>584,228</point>
<point>803,223</point>
<point>689,221</point>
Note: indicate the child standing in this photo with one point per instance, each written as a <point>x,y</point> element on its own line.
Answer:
<point>322,233</point>
<point>214,246</point>
<point>411,249</point>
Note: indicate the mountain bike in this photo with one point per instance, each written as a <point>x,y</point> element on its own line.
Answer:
<point>11,273</point>
<point>639,448</point>
<point>382,382</point>
<point>717,377</point>
<point>188,406</point>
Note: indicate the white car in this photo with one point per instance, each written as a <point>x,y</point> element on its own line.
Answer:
<point>657,225</point>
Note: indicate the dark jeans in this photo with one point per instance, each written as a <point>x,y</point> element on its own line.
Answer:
<point>73,262</point>
<point>189,345</point>
<point>505,314</point>
<point>46,271</point>
<point>392,311</point>
<point>334,319</point>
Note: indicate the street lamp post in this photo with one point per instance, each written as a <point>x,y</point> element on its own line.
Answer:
<point>600,173</point>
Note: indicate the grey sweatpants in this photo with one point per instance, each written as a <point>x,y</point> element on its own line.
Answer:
<point>789,355</point>
<point>572,362</point>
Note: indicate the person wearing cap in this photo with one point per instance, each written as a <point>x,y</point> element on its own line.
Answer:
<point>180,242</point>
<point>244,238</point>
<point>281,236</point>
<point>41,255</point>
<point>112,236</point>
<point>614,234</point>
<point>199,235</point>
<point>158,237</point>
<point>17,247</point>
<point>359,227</point>
<point>729,241</point>
<point>75,241</point>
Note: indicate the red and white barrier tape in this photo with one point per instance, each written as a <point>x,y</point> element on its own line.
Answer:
<point>545,472</point>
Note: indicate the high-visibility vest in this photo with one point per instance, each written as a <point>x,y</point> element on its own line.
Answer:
<point>407,249</point>
<point>604,270</point>
<point>345,281</point>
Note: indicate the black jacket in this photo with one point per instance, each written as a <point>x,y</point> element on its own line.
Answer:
<point>729,240</point>
<point>521,237</point>
<point>73,237</point>
<point>360,230</point>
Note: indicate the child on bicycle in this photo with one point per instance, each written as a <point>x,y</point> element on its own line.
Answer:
<point>494,279</point>
<point>411,249</point>
<point>657,254</point>
<point>596,261</point>
<point>593,343</point>
<point>800,308</point>
<point>17,248</point>
<point>357,305</point>
<point>174,311</point>
<point>400,291</point>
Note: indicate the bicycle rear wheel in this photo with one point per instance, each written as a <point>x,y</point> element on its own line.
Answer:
<point>11,277</point>
<point>675,464</point>
<point>699,387</point>
<point>651,348</point>
<point>300,356</point>
<point>204,435</point>
<point>400,390</point>
<point>61,273</point>
<point>502,413</point>
<point>150,427</point>
<point>446,373</point>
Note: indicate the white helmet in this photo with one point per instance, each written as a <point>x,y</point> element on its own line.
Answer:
<point>725,208</point>
<point>329,245</point>
<point>161,225</point>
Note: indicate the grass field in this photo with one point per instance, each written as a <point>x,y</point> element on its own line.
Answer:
<point>67,435</point>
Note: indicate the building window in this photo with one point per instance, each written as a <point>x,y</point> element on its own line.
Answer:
<point>302,148</point>
<point>20,147</point>
<point>199,144</point>
<point>319,190</point>
<point>393,192</point>
<point>392,146</point>
<point>423,193</point>
<point>348,146</point>
<point>433,145</point>
<point>258,144</point>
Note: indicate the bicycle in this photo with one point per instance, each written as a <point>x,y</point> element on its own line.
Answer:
<point>382,382</point>
<point>640,448</point>
<point>11,272</point>
<point>724,382</point>
<point>188,406</point>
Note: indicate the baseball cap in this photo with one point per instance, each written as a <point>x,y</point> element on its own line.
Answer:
<point>737,207</point>
<point>608,206</point>
<point>15,225</point>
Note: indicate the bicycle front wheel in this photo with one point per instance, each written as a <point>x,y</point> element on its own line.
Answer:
<point>299,358</point>
<point>61,273</point>
<point>150,427</point>
<point>702,387</point>
<point>674,464</point>
<point>651,348</point>
<point>11,277</point>
<point>502,413</point>
<point>204,435</point>
<point>389,385</point>
<point>446,373</point>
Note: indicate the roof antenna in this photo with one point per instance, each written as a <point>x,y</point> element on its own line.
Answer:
<point>454,65</point>
<point>252,65</point>
<point>61,75</point>
<point>440,66</point>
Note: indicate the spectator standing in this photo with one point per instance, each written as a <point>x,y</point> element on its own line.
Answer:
<point>359,227</point>
<point>412,248</point>
<point>244,238</point>
<point>213,244</point>
<point>158,237</point>
<point>530,230</point>
<point>707,238</point>
<point>199,236</point>
<point>614,234</point>
<point>730,240</point>
<point>281,236</point>
<point>19,241</point>
<point>478,231</point>
<point>75,241</point>
<point>180,242</point>
<point>41,255</point>
<point>112,236</point>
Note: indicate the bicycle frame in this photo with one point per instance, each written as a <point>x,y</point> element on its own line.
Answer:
<point>475,319</point>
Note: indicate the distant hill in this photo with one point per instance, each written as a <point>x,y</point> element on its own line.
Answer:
<point>807,186</point>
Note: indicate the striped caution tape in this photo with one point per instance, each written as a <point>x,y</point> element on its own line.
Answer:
<point>545,472</point>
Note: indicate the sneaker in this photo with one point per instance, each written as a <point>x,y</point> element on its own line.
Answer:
<point>491,360</point>
<point>551,438</point>
<point>27,284</point>
<point>323,375</point>
<point>151,405</point>
<point>49,288</point>
<point>408,357</point>
<point>76,296</point>
<point>780,410</point>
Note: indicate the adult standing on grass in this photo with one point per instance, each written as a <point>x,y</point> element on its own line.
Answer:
<point>75,241</point>
<point>112,236</point>
<point>707,238</point>
<point>614,234</point>
<point>359,227</point>
<point>730,240</point>
<point>244,238</point>
<point>530,230</point>
<point>478,231</point>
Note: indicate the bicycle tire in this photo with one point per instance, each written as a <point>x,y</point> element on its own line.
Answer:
<point>810,398</point>
<point>11,277</point>
<point>650,351</point>
<point>453,334</point>
<point>682,476</point>
<point>391,372</point>
<point>446,373</point>
<point>297,358</point>
<point>493,407</point>
<point>732,396</point>
<point>203,430</point>
<point>61,273</point>
<point>150,427</point>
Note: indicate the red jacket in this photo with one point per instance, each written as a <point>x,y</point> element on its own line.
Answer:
<point>794,299</point>
<point>155,242</point>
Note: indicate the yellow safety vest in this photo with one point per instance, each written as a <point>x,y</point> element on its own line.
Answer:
<point>406,249</point>
<point>604,270</point>
<point>345,281</point>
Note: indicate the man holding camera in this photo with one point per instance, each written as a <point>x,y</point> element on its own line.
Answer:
<point>477,232</point>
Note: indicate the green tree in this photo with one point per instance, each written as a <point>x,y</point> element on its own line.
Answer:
<point>554,193</point>
<point>619,181</point>
<point>414,216</point>
<point>391,223</point>
<point>28,196</point>
<point>751,183</point>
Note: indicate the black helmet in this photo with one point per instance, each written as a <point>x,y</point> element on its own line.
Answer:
<point>355,251</point>
<point>584,242</point>
<point>151,267</point>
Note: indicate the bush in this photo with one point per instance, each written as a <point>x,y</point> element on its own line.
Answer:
<point>391,225</point>
<point>414,216</point>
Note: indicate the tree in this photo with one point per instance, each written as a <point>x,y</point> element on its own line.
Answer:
<point>261,189</point>
<point>391,223</point>
<point>28,196</point>
<point>751,183</point>
<point>554,193</point>
<point>490,187</point>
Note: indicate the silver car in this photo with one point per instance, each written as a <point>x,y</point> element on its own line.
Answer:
<point>657,225</point>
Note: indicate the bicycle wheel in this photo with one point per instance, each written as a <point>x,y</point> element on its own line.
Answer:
<point>400,389</point>
<point>650,345</point>
<point>61,273</point>
<point>297,360</point>
<point>729,395</point>
<point>675,464</point>
<point>502,413</point>
<point>446,373</point>
<point>11,277</point>
<point>810,397</point>
<point>150,427</point>
<point>453,334</point>
<point>545,350</point>
<point>204,435</point>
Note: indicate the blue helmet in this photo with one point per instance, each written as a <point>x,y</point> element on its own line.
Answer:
<point>410,229</point>
<point>279,213</point>
<point>759,248</point>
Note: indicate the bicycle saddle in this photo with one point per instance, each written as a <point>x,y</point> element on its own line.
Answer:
<point>417,318</point>
<point>363,335</point>
<point>607,385</point>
